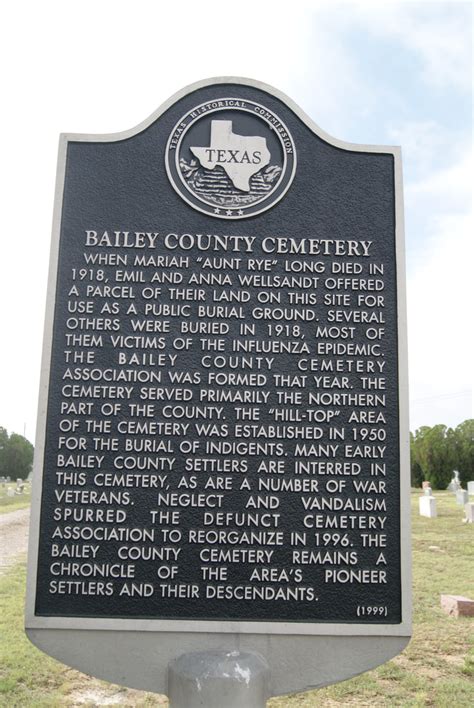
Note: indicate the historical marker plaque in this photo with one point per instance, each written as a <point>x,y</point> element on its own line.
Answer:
<point>222,443</point>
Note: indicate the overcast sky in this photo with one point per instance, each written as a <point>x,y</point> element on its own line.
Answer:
<point>383,73</point>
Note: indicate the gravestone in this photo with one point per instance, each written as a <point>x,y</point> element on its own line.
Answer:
<point>10,492</point>
<point>469,512</point>
<point>457,605</point>
<point>223,460</point>
<point>470,489</point>
<point>427,506</point>
<point>455,483</point>
<point>462,497</point>
<point>427,491</point>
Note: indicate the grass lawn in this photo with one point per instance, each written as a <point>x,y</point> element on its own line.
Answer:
<point>8,504</point>
<point>436,669</point>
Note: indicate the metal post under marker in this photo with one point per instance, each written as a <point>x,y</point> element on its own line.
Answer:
<point>214,679</point>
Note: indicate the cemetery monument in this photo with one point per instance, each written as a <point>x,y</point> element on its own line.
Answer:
<point>222,448</point>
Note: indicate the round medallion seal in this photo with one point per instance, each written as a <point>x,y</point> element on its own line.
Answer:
<point>230,158</point>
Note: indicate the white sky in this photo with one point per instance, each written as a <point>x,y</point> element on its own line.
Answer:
<point>384,73</point>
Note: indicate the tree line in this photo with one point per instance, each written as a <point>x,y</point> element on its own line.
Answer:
<point>16,455</point>
<point>436,452</point>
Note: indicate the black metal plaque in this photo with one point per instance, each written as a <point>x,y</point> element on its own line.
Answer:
<point>222,436</point>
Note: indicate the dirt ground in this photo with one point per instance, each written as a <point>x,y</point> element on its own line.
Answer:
<point>14,527</point>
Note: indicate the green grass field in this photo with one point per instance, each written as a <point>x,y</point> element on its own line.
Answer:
<point>436,669</point>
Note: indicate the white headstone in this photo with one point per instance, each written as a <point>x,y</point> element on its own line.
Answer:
<point>427,491</point>
<point>470,489</point>
<point>469,511</point>
<point>10,492</point>
<point>427,506</point>
<point>462,497</point>
<point>455,483</point>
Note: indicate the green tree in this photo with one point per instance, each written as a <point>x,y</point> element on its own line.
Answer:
<point>3,439</point>
<point>16,455</point>
<point>463,443</point>
<point>434,452</point>
<point>3,447</point>
<point>416,473</point>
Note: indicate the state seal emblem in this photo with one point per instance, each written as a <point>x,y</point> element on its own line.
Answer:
<point>230,158</point>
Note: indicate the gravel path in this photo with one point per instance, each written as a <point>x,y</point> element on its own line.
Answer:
<point>14,527</point>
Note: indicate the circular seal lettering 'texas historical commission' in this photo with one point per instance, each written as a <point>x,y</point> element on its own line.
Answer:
<point>230,158</point>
